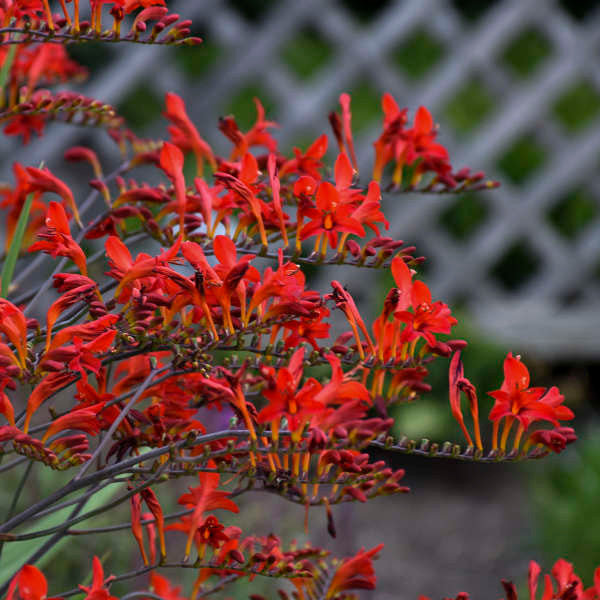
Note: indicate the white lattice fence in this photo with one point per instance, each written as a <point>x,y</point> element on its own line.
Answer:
<point>525,258</point>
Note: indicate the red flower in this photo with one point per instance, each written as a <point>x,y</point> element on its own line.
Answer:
<point>135,503</point>
<point>42,180</point>
<point>125,269</point>
<point>13,325</point>
<point>256,136</point>
<point>330,217</point>
<point>21,8</point>
<point>98,591</point>
<point>29,584</point>
<point>285,400</point>
<point>428,317</point>
<point>203,498</point>
<point>285,283</point>
<point>25,125</point>
<point>369,210</point>
<point>83,419</point>
<point>406,146</point>
<point>421,139</point>
<point>341,387</point>
<point>131,5</point>
<point>308,163</point>
<point>171,162</point>
<point>355,573</point>
<point>245,193</point>
<point>275,189</point>
<point>84,356</point>
<point>211,532</point>
<point>6,407</point>
<point>219,284</point>
<point>184,133</point>
<point>72,296</point>
<point>515,399</point>
<point>394,121</point>
<point>50,384</point>
<point>403,279</point>
<point>162,587</point>
<point>87,331</point>
<point>569,586</point>
<point>57,240</point>
<point>307,329</point>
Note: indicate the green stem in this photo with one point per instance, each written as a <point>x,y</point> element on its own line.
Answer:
<point>10,262</point>
<point>6,67</point>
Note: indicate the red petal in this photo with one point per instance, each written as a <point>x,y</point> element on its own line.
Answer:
<point>516,374</point>
<point>389,105</point>
<point>171,159</point>
<point>423,121</point>
<point>343,172</point>
<point>32,583</point>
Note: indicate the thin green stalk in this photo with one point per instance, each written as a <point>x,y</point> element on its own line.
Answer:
<point>8,268</point>
<point>6,66</point>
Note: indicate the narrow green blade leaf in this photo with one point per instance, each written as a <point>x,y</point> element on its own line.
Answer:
<point>6,66</point>
<point>10,261</point>
<point>15,553</point>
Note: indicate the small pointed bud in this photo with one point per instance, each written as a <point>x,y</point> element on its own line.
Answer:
<point>236,556</point>
<point>353,247</point>
<point>457,344</point>
<point>355,493</point>
<point>330,523</point>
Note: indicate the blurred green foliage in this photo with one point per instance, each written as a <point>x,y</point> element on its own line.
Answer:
<point>522,159</point>
<point>526,52</point>
<point>40,483</point>
<point>197,60</point>
<point>306,53</point>
<point>464,215</point>
<point>418,54</point>
<point>469,107</point>
<point>573,213</point>
<point>578,106</point>
<point>141,106</point>
<point>518,263</point>
<point>565,494</point>
<point>92,55</point>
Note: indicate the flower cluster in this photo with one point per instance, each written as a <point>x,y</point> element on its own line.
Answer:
<point>205,352</point>
<point>561,584</point>
<point>515,403</point>
<point>32,50</point>
<point>35,19</point>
